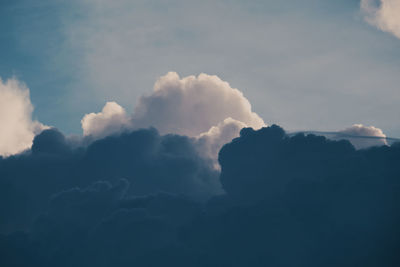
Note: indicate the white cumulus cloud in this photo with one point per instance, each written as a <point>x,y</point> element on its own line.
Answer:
<point>363,136</point>
<point>203,107</point>
<point>17,127</point>
<point>189,106</point>
<point>383,14</point>
<point>210,142</point>
<point>112,119</point>
<point>192,105</point>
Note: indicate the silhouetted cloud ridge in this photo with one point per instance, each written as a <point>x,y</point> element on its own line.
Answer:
<point>141,198</point>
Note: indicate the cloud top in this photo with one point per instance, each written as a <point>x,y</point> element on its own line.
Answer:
<point>203,106</point>
<point>360,136</point>
<point>17,127</point>
<point>110,120</point>
<point>383,14</point>
<point>192,105</point>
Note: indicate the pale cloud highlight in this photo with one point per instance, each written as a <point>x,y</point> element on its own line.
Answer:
<point>112,119</point>
<point>383,14</point>
<point>363,136</point>
<point>17,127</point>
<point>192,105</point>
<point>189,106</point>
<point>210,142</point>
<point>203,107</point>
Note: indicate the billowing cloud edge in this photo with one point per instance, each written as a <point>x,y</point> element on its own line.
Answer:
<point>17,126</point>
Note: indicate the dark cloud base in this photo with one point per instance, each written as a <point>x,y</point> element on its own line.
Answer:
<point>141,199</point>
<point>152,163</point>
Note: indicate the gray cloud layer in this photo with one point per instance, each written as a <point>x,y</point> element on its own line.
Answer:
<point>299,200</point>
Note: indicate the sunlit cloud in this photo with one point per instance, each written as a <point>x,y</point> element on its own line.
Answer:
<point>383,14</point>
<point>17,126</point>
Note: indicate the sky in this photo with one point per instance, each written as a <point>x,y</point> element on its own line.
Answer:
<point>314,65</point>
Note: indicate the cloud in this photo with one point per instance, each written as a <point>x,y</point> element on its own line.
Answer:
<point>210,142</point>
<point>306,193</point>
<point>383,14</point>
<point>150,162</point>
<point>90,221</point>
<point>363,136</point>
<point>204,107</point>
<point>83,207</point>
<point>360,136</point>
<point>112,119</point>
<point>284,68</point>
<point>265,162</point>
<point>17,127</point>
<point>189,106</point>
<point>301,200</point>
<point>192,105</point>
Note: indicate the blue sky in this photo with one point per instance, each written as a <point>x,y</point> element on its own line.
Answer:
<point>314,65</point>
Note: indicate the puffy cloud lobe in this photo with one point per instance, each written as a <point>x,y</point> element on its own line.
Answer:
<point>188,106</point>
<point>204,107</point>
<point>17,127</point>
<point>112,119</point>
<point>363,136</point>
<point>210,142</point>
<point>50,142</point>
<point>192,105</point>
<point>384,15</point>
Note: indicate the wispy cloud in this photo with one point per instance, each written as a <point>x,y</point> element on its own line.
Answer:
<point>383,14</point>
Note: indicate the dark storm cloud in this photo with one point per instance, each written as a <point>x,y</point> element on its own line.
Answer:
<point>152,163</point>
<point>302,201</point>
<point>268,161</point>
<point>298,200</point>
<point>102,226</point>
